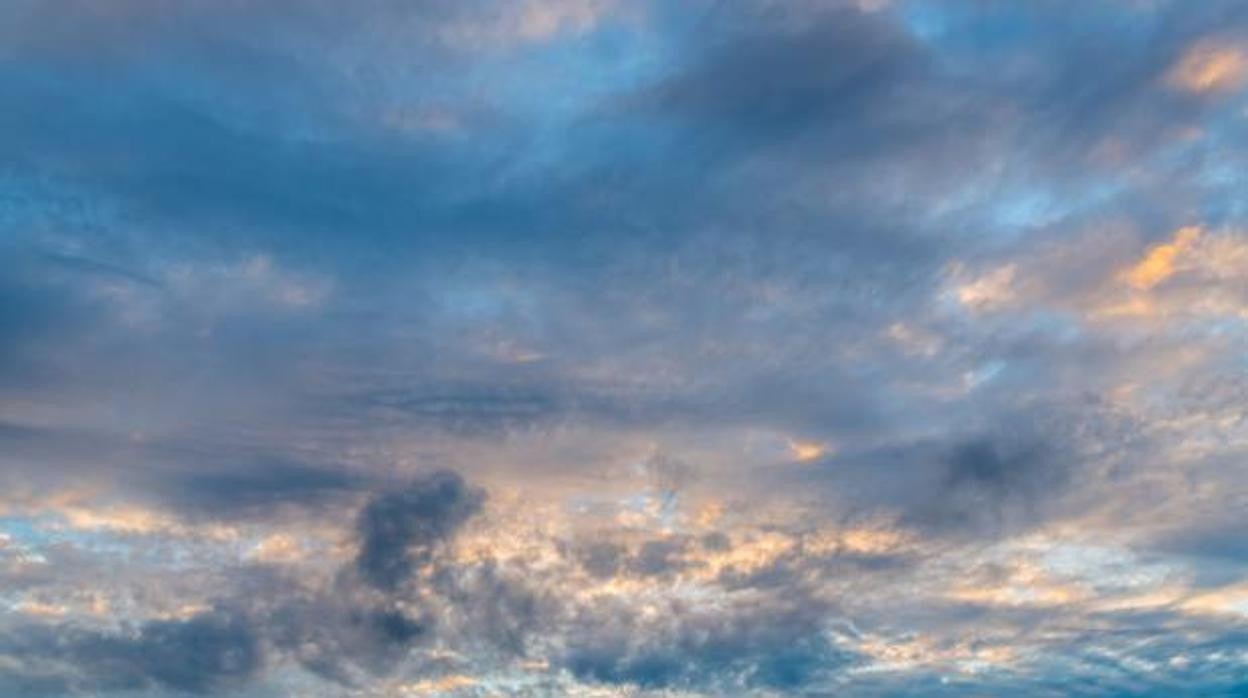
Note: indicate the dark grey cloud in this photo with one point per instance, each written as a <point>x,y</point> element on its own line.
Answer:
<point>400,530</point>
<point>605,559</point>
<point>258,487</point>
<point>602,559</point>
<point>231,131</point>
<point>658,557</point>
<point>988,473</point>
<point>366,622</point>
<point>197,480</point>
<point>1215,540</point>
<point>776,643</point>
<point>991,475</point>
<point>763,77</point>
<point>344,636</point>
<point>39,315</point>
<point>205,654</point>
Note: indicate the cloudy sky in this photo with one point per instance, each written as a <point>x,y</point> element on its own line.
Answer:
<point>623,348</point>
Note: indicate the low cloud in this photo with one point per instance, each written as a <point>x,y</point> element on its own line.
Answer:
<point>400,530</point>
<point>205,654</point>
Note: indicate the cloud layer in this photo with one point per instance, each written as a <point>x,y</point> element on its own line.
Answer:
<point>581,347</point>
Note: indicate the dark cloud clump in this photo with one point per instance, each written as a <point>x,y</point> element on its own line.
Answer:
<point>1002,469</point>
<point>999,482</point>
<point>602,559</point>
<point>398,530</point>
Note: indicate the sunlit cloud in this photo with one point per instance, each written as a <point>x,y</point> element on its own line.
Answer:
<point>1159,263</point>
<point>989,291</point>
<point>807,451</point>
<point>1210,66</point>
<point>437,687</point>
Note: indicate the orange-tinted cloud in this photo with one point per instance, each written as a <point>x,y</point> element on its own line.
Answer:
<point>1210,67</point>
<point>1159,263</point>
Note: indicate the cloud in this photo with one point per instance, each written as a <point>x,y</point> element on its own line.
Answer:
<point>802,347</point>
<point>1158,265</point>
<point>346,639</point>
<point>511,610</point>
<point>602,559</point>
<point>205,654</point>
<point>399,530</point>
<point>1002,468</point>
<point>769,643</point>
<point>533,21</point>
<point>265,487</point>
<point>751,84</point>
<point>1210,67</point>
<point>991,290</point>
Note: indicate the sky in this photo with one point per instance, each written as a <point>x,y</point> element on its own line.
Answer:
<point>615,348</point>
